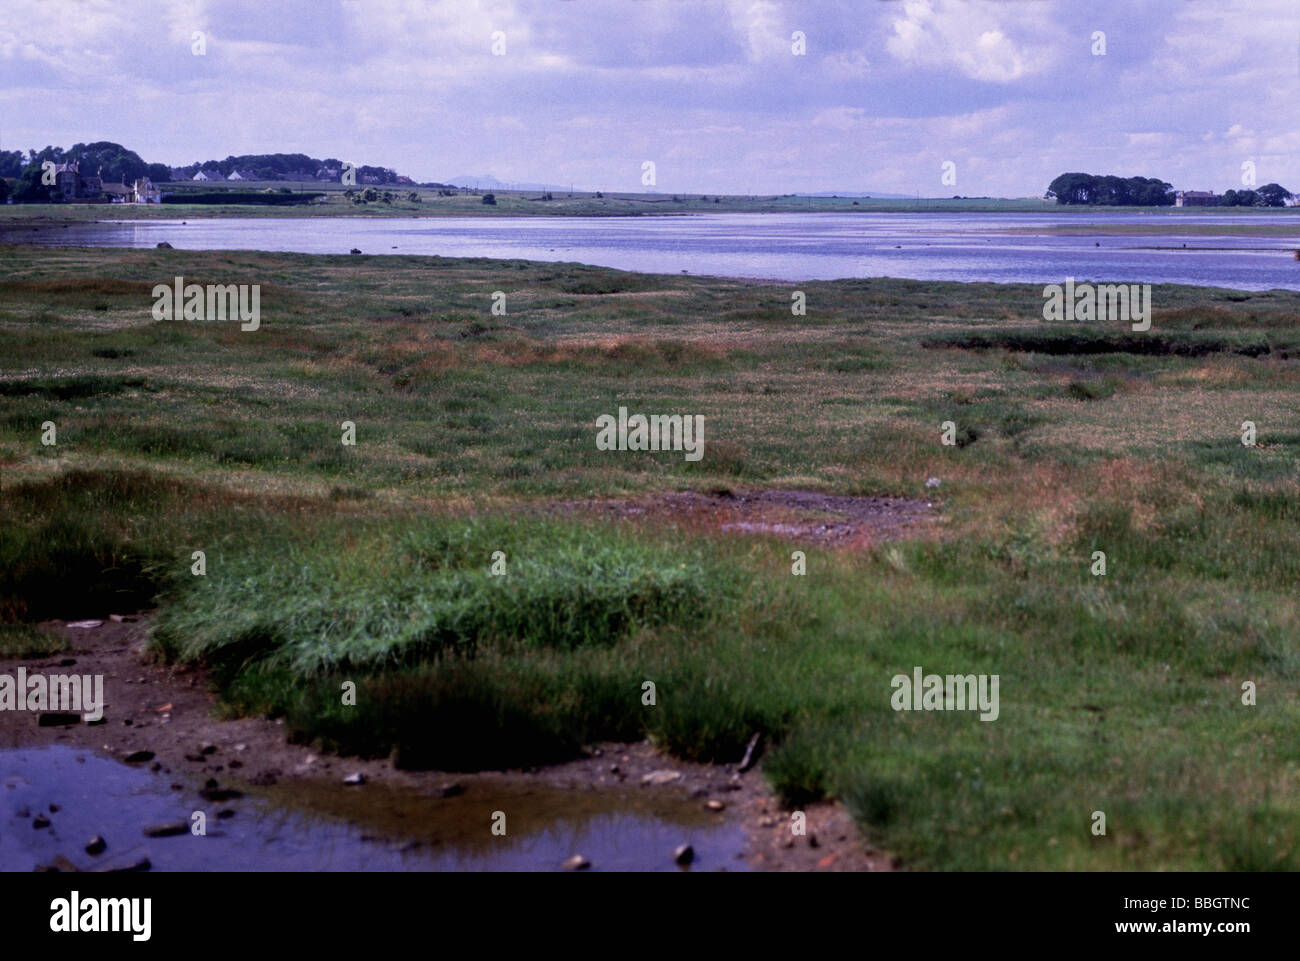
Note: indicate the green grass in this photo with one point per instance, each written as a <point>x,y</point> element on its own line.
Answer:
<point>371,564</point>
<point>29,641</point>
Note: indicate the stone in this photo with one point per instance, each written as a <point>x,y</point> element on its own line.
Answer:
<point>655,778</point>
<point>715,805</point>
<point>451,790</point>
<point>577,863</point>
<point>40,821</point>
<point>138,757</point>
<point>85,625</point>
<point>166,830</point>
<point>355,779</point>
<point>96,845</point>
<point>684,854</point>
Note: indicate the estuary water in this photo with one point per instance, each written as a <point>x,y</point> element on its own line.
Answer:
<point>793,247</point>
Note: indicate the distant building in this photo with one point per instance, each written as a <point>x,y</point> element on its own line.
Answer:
<point>71,185</point>
<point>242,175</point>
<point>1195,198</point>
<point>118,193</point>
<point>143,191</point>
<point>207,175</point>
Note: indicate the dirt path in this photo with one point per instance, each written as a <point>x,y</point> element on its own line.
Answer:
<point>164,716</point>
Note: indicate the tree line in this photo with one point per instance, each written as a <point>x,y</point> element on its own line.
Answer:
<point>1111,191</point>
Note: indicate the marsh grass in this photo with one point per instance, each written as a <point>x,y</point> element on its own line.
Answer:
<point>372,563</point>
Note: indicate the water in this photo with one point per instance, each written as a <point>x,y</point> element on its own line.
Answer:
<point>322,826</point>
<point>786,247</point>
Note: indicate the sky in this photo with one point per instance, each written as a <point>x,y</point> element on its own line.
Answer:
<point>721,96</point>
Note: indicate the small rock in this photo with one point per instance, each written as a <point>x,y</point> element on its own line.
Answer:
<point>67,662</point>
<point>60,864</point>
<point>812,841</point>
<point>116,618</point>
<point>40,821</point>
<point>661,777</point>
<point>85,625</point>
<point>766,822</point>
<point>614,769</point>
<point>577,863</point>
<point>138,757</point>
<point>451,790</point>
<point>715,805</point>
<point>55,809</point>
<point>207,749</point>
<point>684,854</point>
<point>167,830</point>
<point>241,747</point>
<point>96,845</point>
<point>354,779</point>
<point>225,813</point>
<point>932,482</point>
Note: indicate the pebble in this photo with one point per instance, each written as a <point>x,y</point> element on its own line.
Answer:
<point>684,854</point>
<point>577,863</point>
<point>138,757</point>
<point>715,805</point>
<point>353,779</point>
<point>40,821</point>
<point>661,777</point>
<point>166,830</point>
<point>96,845</point>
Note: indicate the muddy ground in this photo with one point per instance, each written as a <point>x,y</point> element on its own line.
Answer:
<point>801,517</point>
<point>165,717</point>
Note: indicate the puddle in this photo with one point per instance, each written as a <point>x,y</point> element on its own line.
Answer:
<point>318,826</point>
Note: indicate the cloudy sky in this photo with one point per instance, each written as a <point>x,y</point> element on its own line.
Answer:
<point>712,91</point>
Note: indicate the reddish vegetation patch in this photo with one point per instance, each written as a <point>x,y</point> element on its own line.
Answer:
<point>794,515</point>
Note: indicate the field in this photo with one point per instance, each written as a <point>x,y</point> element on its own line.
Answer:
<point>1121,692</point>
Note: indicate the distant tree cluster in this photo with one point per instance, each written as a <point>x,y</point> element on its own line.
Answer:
<point>1079,188</point>
<point>1269,195</point>
<point>288,166</point>
<point>103,158</point>
<point>1148,192</point>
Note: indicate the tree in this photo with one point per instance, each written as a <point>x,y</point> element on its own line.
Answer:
<point>4,190</point>
<point>160,173</point>
<point>30,189</point>
<point>1274,195</point>
<point>413,197</point>
<point>1229,199</point>
<point>490,199</point>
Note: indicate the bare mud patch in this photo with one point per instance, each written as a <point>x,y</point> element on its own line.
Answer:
<point>806,516</point>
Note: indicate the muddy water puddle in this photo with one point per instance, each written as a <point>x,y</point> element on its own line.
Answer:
<point>324,826</point>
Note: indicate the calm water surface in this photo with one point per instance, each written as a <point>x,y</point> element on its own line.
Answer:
<point>321,826</point>
<point>786,247</point>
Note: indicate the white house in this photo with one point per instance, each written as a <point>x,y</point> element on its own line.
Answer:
<point>205,175</point>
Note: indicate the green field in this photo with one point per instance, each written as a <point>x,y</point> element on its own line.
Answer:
<point>475,433</point>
